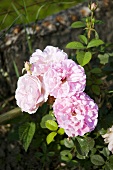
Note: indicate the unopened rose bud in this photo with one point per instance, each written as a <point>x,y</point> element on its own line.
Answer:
<point>27,67</point>
<point>87,20</point>
<point>93,6</point>
<point>93,20</point>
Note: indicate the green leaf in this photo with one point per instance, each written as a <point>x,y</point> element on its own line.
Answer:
<point>96,89</point>
<point>99,22</point>
<point>60,131</point>
<point>96,70</point>
<point>80,56</point>
<point>65,158</point>
<point>111,160</point>
<point>104,59</point>
<point>68,143</point>
<point>97,160</point>
<point>26,133</point>
<point>93,151</point>
<point>64,152</point>
<point>89,83</point>
<point>78,24</point>
<point>58,147</point>
<point>75,45</point>
<point>102,131</point>
<point>44,147</point>
<point>98,81</point>
<point>50,137</point>
<point>44,119</point>
<point>38,154</point>
<point>61,142</point>
<point>80,156</point>
<point>51,154</point>
<point>105,152</point>
<point>83,39</point>
<point>90,142</point>
<point>108,166</point>
<point>94,43</point>
<point>83,58</point>
<point>66,155</point>
<point>87,58</point>
<point>51,125</point>
<point>84,145</point>
<point>96,35</point>
<point>70,156</point>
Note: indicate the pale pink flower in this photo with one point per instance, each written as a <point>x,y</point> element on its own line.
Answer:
<point>30,93</point>
<point>41,61</point>
<point>108,138</point>
<point>65,79</point>
<point>54,54</point>
<point>93,6</point>
<point>76,114</point>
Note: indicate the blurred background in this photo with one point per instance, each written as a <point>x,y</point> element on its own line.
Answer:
<point>26,11</point>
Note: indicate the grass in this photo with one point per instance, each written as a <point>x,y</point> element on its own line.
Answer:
<point>25,11</point>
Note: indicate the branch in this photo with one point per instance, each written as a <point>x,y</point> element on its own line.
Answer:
<point>10,115</point>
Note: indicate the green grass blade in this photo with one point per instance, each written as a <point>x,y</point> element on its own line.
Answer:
<point>17,12</point>
<point>38,12</point>
<point>26,13</point>
<point>13,23</point>
<point>29,43</point>
<point>16,69</point>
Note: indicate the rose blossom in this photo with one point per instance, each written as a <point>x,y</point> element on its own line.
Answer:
<point>108,138</point>
<point>30,93</point>
<point>65,78</point>
<point>76,114</point>
<point>41,60</point>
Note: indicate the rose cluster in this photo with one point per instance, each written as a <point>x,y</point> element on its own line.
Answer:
<point>51,74</point>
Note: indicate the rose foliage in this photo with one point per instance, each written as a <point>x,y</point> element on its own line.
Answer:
<point>70,105</point>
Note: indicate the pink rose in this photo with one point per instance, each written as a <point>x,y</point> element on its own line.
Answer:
<point>41,61</point>
<point>30,93</point>
<point>76,114</point>
<point>54,54</point>
<point>65,79</point>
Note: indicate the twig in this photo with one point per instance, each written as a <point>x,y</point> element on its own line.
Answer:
<point>10,115</point>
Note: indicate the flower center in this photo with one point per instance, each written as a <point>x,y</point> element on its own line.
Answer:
<point>50,100</point>
<point>63,80</point>
<point>74,113</point>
